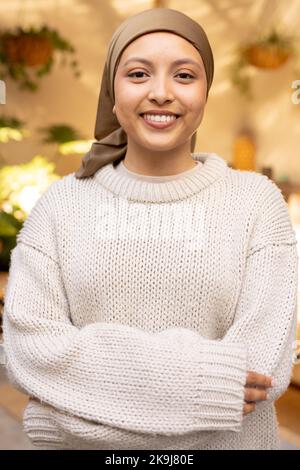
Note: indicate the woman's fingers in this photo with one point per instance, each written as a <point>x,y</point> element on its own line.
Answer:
<point>260,380</point>
<point>255,390</point>
<point>248,408</point>
<point>253,394</point>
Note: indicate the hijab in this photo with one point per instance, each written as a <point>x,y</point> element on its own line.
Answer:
<point>111,139</point>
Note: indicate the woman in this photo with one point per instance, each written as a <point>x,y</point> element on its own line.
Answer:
<point>152,294</point>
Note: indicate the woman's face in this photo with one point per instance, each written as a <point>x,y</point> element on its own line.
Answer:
<point>160,84</point>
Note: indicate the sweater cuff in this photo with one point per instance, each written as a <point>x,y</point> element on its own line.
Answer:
<point>222,378</point>
<point>40,427</point>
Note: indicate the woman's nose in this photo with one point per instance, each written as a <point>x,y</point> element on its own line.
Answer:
<point>160,90</point>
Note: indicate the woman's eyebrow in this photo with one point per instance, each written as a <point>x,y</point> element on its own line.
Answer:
<point>176,62</point>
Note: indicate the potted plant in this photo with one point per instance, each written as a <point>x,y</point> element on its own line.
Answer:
<point>59,133</point>
<point>11,128</point>
<point>68,139</point>
<point>9,228</point>
<point>270,53</point>
<point>26,55</point>
<point>266,53</point>
<point>20,188</point>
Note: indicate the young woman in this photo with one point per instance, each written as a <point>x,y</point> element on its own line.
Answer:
<point>151,301</point>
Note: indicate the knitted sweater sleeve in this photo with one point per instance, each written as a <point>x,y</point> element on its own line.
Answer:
<point>266,313</point>
<point>107,373</point>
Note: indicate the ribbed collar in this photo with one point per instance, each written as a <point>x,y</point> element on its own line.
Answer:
<point>135,187</point>
<point>121,169</point>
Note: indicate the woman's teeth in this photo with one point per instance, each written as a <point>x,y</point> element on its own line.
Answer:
<point>159,118</point>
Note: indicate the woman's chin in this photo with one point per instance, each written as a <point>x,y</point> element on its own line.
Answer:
<point>159,145</point>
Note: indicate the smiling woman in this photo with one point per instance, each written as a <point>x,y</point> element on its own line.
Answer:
<point>151,300</point>
<point>158,61</point>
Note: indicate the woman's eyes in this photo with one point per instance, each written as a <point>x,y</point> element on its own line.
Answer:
<point>182,73</point>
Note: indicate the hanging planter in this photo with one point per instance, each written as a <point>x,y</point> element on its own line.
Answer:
<point>27,48</point>
<point>269,53</point>
<point>68,139</point>
<point>27,55</point>
<point>59,134</point>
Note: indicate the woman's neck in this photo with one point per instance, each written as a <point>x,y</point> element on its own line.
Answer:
<point>121,168</point>
<point>158,166</point>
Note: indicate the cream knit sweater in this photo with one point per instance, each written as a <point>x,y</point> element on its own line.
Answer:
<point>135,306</point>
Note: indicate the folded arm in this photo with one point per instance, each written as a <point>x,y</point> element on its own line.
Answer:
<point>110,373</point>
<point>266,312</point>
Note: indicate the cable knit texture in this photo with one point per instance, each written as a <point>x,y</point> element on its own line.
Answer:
<point>135,306</point>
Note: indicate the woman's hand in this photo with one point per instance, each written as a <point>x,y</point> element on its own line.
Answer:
<point>255,390</point>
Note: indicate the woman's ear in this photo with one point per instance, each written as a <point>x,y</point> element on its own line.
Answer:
<point>114,109</point>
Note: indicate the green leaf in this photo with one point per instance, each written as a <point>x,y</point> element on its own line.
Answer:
<point>60,134</point>
<point>9,225</point>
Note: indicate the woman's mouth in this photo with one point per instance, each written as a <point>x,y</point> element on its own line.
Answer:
<point>160,121</point>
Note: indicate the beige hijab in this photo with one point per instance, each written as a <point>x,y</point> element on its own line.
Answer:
<point>111,139</point>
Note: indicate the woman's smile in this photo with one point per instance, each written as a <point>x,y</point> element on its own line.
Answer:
<point>159,122</point>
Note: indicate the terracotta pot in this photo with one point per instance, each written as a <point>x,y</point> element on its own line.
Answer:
<point>28,49</point>
<point>269,56</point>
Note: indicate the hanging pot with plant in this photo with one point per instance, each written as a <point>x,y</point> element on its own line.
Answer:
<point>26,55</point>
<point>267,53</point>
<point>59,133</point>
<point>67,138</point>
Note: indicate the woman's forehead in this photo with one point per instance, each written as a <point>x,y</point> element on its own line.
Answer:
<point>157,44</point>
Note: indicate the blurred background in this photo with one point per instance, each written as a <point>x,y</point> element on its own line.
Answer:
<point>52,54</point>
